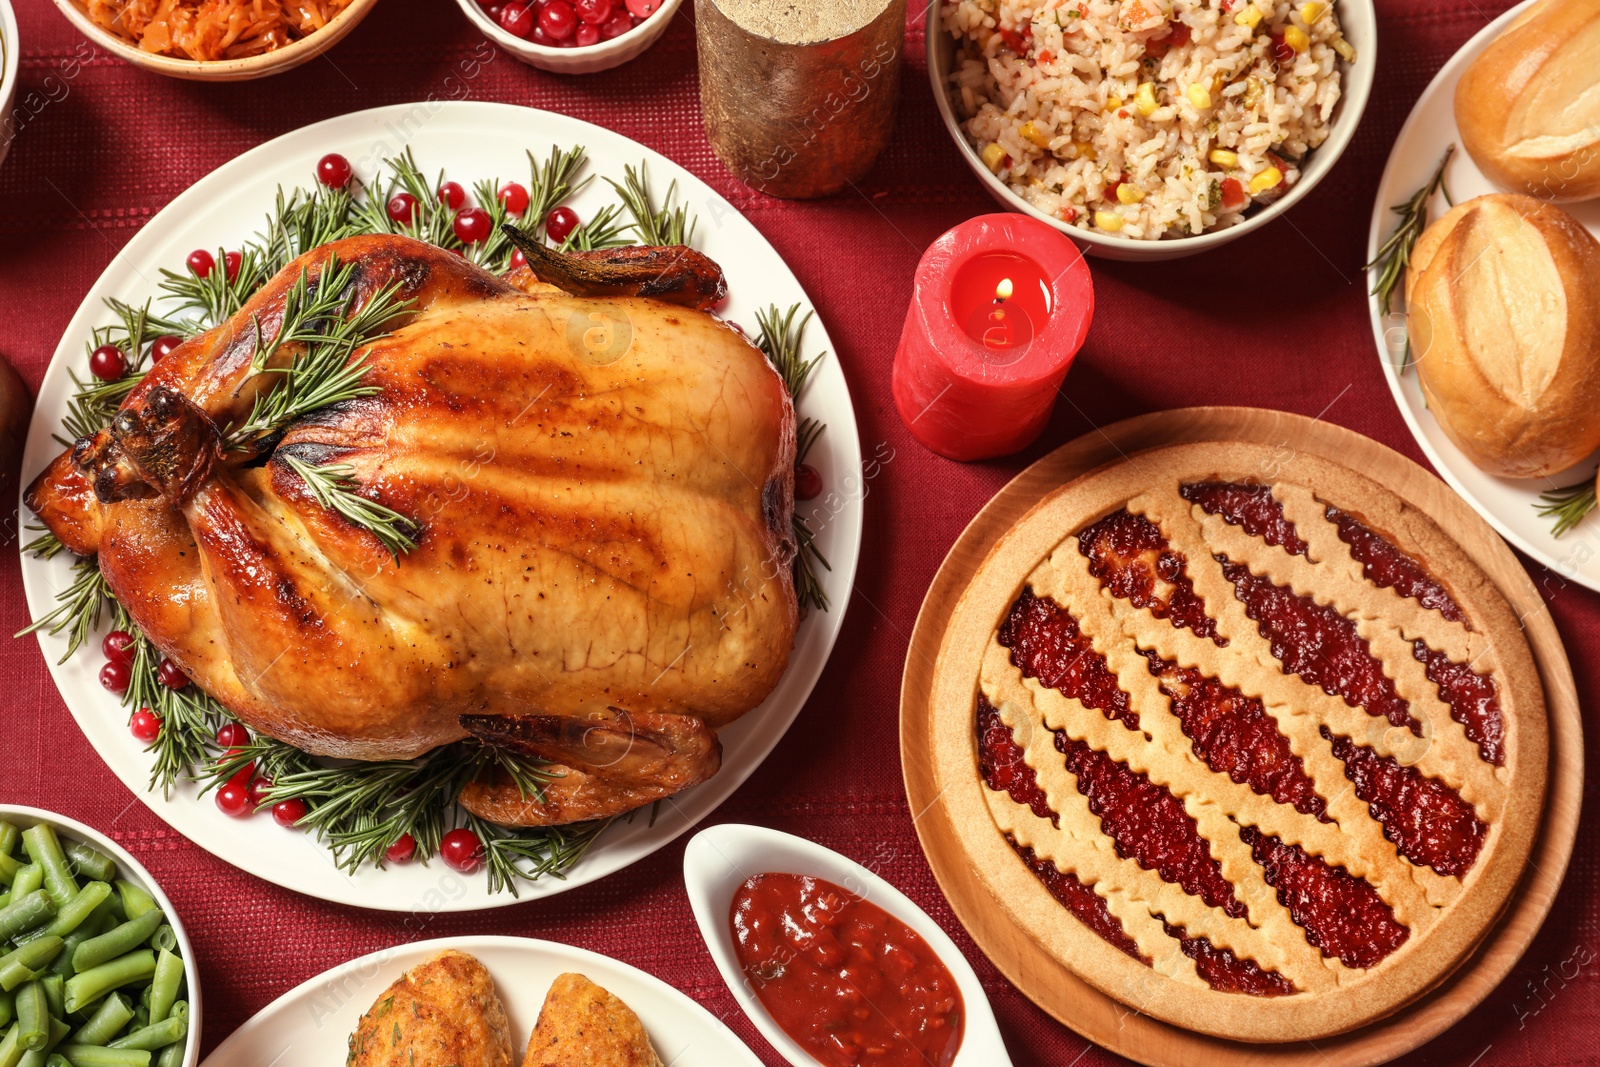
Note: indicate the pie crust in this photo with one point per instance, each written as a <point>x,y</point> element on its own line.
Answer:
<point>1338,840</point>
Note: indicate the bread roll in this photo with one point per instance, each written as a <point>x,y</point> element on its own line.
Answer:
<point>1529,106</point>
<point>1503,300</point>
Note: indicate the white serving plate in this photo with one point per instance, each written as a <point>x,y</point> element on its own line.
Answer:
<point>10,58</point>
<point>131,869</point>
<point>721,859</point>
<point>471,141</point>
<point>309,1025</point>
<point>1506,503</point>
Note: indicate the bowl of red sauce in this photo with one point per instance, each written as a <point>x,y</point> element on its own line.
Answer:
<point>833,964</point>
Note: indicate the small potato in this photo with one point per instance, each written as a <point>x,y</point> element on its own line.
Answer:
<point>442,1013</point>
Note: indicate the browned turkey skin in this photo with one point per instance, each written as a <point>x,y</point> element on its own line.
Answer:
<point>602,573</point>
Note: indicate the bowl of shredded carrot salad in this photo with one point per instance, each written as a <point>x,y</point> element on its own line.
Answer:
<point>215,40</point>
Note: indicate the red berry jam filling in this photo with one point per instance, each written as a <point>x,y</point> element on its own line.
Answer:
<point>1131,557</point>
<point>1250,507</point>
<point>1085,904</point>
<point>1227,973</point>
<point>1341,914</point>
<point>1427,820</point>
<point>1046,644</point>
<point>1320,645</point>
<point>1473,700</point>
<point>1235,736</point>
<point>1149,825</point>
<point>1386,566</point>
<point>1002,765</point>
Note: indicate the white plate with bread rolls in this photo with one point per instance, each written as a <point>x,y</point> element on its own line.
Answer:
<point>1492,344</point>
<point>482,1002</point>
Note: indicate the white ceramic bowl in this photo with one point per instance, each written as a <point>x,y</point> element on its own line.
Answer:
<point>589,60</point>
<point>1358,20</point>
<point>131,869</point>
<point>719,860</point>
<point>10,55</point>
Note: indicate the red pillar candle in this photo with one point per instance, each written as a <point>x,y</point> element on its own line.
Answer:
<point>1001,306</point>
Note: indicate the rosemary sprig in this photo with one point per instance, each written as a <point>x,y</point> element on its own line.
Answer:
<point>334,488</point>
<point>431,220</point>
<point>216,298</point>
<point>551,182</point>
<point>1568,506</point>
<point>780,337</point>
<point>604,230</point>
<point>298,223</point>
<point>189,716</point>
<point>494,253</point>
<point>94,402</point>
<point>1394,257</point>
<point>80,607</point>
<point>664,225</point>
<point>46,546</point>
<point>512,855</point>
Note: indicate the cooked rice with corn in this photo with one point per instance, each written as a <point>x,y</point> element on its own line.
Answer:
<point>1146,118</point>
<point>207,30</point>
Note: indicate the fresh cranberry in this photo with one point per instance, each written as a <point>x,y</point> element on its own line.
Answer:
<point>643,9</point>
<point>230,263</point>
<point>108,363</point>
<point>807,482</point>
<point>402,208</point>
<point>493,11</point>
<point>616,26</point>
<point>116,677</point>
<point>118,647</point>
<point>518,259</point>
<point>289,812</point>
<point>234,796</point>
<point>162,346</point>
<point>461,850</point>
<point>404,847</point>
<point>594,12</point>
<point>586,34</point>
<point>517,20</point>
<point>146,725</point>
<point>514,197</point>
<point>171,675</point>
<point>473,225</point>
<point>333,170</point>
<point>558,20</point>
<point>560,223</point>
<point>258,790</point>
<point>452,196</point>
<point>201,263</point>
<point>233,735</point>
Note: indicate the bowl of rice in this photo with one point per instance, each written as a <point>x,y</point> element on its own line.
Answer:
<point>215,40</point>
<point>1151,129</point>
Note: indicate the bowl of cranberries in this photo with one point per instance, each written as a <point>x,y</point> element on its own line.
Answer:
<point>572,36</point>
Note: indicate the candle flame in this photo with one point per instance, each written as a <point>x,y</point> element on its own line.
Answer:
<point>1003,290</point>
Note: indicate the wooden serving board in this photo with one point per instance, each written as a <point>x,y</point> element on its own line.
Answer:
<point>1059,991</point>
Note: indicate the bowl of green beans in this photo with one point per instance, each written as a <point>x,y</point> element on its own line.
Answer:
<point>95,969</point>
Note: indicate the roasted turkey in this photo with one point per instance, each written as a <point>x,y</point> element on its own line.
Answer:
<point>600,486</point>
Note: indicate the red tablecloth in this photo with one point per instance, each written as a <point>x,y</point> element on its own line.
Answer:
<point>1276,319</point>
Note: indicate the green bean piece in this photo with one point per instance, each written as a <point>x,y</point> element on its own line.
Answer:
<point>54,992</point>
<point>155,1035</point>
<point>164,985</point>
<point>11,1046</point>
<point>9,866</point>
<point>56,1059</point>
<point>95,1056</point>
<point>27,880</point>
<point>110,1016</point>
<point>45,848</point>
<point>5,898</point>
<point>41,1057</point>
<point>8,1008</point>
<point>88,861</point>
<point>116,942</point>
<point>33,1015</point>
<point>78,910</point>
<point>135,901</point>
<point>165,937</point>
<point>26,913</point>
<point>86,987</point>
<point>171,1056</point>
<point>141,1018</point>
<point>21,964</point>
<point>9,836</point>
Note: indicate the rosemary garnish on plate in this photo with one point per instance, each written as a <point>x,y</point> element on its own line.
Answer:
<point>1568,505</point>
<point>80,606</point>
<point>663,225</point>
<point>780,337</point>
<point>333,487</point>
<point>1394,257</point>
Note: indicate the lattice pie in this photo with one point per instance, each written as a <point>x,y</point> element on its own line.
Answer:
<point>1264,747</point>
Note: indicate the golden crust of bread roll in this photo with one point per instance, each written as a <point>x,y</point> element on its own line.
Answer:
<point>444,1011</point>
<point>582,1025</point>
<point>1503,302</point>
<point>1529,106</point>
